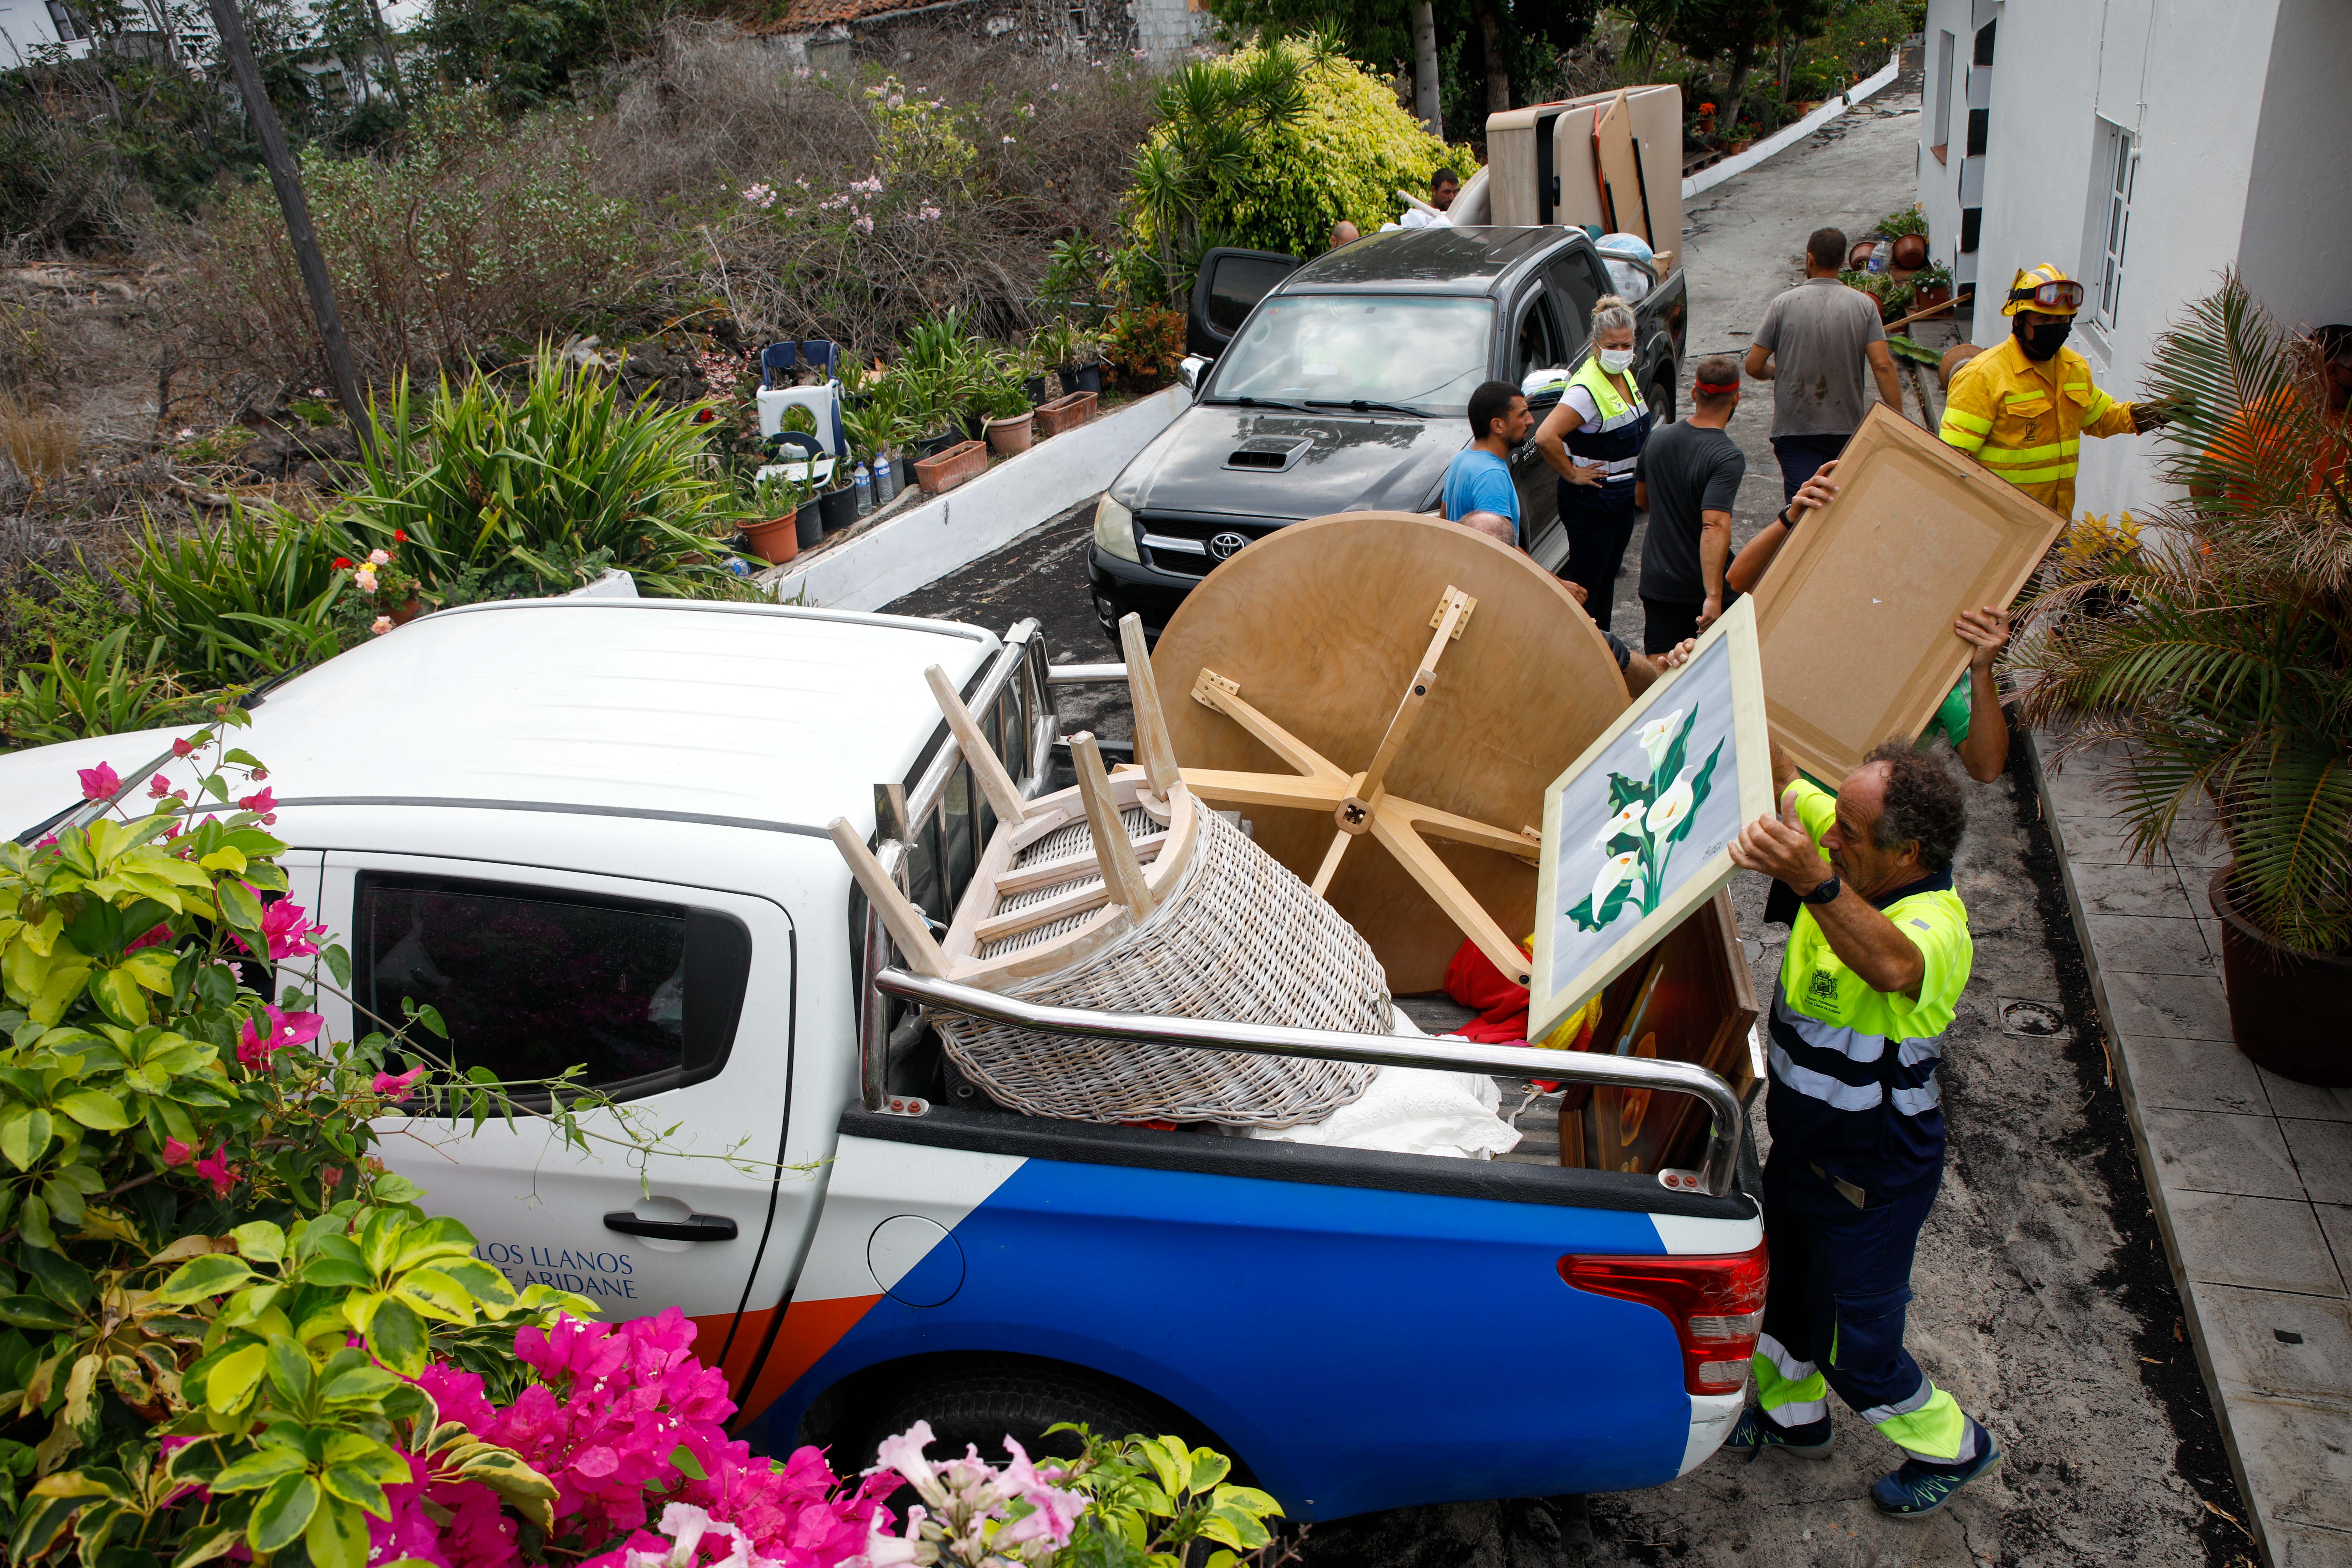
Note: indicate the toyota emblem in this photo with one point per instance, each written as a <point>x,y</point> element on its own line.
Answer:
<point>1226,545</point>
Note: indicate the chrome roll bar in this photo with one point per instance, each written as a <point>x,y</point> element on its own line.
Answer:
<point>1714,1177</point>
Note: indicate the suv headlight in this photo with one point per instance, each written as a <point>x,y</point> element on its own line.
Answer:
<point>1114,529</point>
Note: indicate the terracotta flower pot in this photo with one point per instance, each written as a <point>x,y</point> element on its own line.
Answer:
<point>952,467</point>
<point>1954,357</point>
<point>1911,252</point>
<point>1065,414</point>
<point>2286,1008</point>
<point>408,610</point>
<point>1006,437</point>
<point>1934,294</point>
<point>774,540</point>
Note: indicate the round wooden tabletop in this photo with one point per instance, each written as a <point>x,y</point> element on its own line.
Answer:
<point>1322,624</point>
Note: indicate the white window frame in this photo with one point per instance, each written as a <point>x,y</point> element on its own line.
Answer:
<point>2119,170</point>
<point>1948,46</point>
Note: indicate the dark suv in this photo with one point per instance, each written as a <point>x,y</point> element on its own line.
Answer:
<point>1342,386</point>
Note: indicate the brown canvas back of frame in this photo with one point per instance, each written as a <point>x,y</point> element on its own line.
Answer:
<point>1621,175</point>
<point>1855,618</point>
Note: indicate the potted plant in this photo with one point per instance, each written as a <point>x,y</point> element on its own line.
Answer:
<point>1011,417</point>
<point>1931,285</point>
<point>1083,371</point>
<point>772,523</point>
<point>2224,670</point>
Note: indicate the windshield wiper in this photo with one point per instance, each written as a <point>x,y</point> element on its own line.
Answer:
<point>1262,403</point>
<point>1363,406</point>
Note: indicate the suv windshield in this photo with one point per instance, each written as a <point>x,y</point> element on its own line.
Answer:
<point>1429,354</point>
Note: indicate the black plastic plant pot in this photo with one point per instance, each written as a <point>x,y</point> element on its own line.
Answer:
<point>1089,379</point>
<point>932,445</point>
<point>1035,388</point>
<point>808,524</point>
<point>975,426</point>
<point>839,507</point>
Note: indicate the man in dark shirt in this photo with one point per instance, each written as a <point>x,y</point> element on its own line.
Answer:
<point>1687,478</point>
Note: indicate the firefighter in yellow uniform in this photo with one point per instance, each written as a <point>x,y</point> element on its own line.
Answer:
<point>2023,409</point>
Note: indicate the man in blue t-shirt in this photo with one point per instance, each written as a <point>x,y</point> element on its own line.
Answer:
<point>1479,477</point>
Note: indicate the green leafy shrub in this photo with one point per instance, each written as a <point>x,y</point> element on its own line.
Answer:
<point>1270,146</point>
<point>565,470</point>
<point>242,600</point>
<point>476,231</point>
<point>102,692</point>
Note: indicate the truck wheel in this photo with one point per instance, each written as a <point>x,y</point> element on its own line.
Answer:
<point>1661,402</point>
<point>982,1402</point>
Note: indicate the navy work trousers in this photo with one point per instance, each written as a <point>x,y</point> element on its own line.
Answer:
<point>1841,1281</point>
<point>1599,521</point>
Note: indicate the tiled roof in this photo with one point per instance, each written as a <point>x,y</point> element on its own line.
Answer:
<point>802,15</point>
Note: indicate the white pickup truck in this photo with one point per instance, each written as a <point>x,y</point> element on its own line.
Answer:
<point>591,832</point>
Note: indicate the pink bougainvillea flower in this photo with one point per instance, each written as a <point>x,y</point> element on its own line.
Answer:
<point>98,783</point>
<point>160,934</point>
<point>177,1153</point>
<point>259,774</point>
<point>158,786</point>
<point>218,1172</point>
<point>183,747</point>
<point>253,1048</point>
<point>260,800</point>
<point>283,926</point>
<point>396,1086</point>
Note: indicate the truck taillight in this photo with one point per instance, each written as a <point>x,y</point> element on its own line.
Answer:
<point>1715,1304</point>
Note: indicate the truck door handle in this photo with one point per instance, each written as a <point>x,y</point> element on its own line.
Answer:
<point>693,1227</point>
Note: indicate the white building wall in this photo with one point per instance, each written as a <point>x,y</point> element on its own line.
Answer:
<point>2298,227</point>
<point>25,24</point>
<point>2186,76</point>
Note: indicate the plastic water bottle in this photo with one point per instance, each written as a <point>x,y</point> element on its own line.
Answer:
<point>1881,258</point>
<point>865,483</point>
<point>886,481</point>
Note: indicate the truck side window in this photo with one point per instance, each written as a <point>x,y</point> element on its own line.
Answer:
<point>642,996</point>
<point>1579,285</point>
<point>1536,343</point>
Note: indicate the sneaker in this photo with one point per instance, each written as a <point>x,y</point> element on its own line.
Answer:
<point>1755,1433</point>
<point>1920,1489</point>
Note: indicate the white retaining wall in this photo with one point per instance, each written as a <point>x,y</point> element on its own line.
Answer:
<point>1714,174</point>
<point>925,543</point>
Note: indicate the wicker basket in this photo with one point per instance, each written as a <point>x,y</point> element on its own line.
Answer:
<point>1234,936</point>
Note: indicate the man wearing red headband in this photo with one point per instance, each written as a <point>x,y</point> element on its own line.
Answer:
<point>1688,478</point>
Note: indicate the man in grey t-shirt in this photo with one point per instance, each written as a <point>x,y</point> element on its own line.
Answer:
<point>1812,347</point>
<point>1687,478</point>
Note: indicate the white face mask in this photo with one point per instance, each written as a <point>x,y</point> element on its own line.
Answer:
<point>1616,361</point>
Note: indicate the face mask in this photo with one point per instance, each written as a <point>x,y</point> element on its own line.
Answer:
<point>2041,342</point>
<point>1616,361</point>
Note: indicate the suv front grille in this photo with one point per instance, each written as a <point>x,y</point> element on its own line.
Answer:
<point>1188,547</point>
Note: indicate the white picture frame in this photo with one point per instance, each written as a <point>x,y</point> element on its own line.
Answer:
<point>1698,740</point>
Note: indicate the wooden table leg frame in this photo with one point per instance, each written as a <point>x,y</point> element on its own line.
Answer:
<point>1359,804</point>
<point>1123,895</point>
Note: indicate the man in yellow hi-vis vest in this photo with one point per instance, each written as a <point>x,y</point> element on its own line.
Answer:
<point>2023,409</point>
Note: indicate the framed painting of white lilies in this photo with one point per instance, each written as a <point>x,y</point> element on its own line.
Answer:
<point>1638,832</point>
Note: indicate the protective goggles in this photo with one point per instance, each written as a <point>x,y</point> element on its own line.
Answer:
<point>2063,295</point>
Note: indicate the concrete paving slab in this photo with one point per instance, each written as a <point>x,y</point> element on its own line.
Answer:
<point>2192,1075</point>
<point>2181,1006</point>
<point>2336,1224</point>
<point>2130,890</point>
<point>2309,1101</point>
<point>2094,840</point>
<point>2280,1343</point>
<point>2301,1452</point>
<point>2256,1244</point>
<point>2151,944</point>
<point>2323,1153</point>
<point>2210,1152</point>
<point>2309,1546</point>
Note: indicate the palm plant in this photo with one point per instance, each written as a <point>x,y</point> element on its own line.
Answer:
<point>1209,113</point>
<point>2228,666</point>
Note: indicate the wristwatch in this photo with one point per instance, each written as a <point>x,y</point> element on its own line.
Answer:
<point>1824,893</point>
